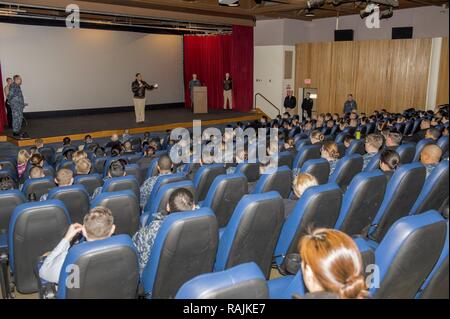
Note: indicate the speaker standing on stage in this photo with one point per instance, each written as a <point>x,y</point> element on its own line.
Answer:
<point>350,104</point>
<point>17,104</point>
<point>9,81</point>
<point>307,105</point>
<point>139,86</point>
<point>227,91</point>
<point>290,101</point>
<point>193,83</point>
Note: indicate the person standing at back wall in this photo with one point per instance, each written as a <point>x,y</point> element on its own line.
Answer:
<point>139,86</point>
<point>227,91</point>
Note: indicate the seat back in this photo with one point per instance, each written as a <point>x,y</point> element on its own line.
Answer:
<point>161,199</point>
<point>420,146</point>
<point>402,191</point>
<point>205,177</point>
<point>406,153</point>
<point>434,191</point>
<point>152,170</point>
<point>34,229</point>
<point>408,254</point>
<point>319,168</point>
<point>346,168</point>
<point>136,143</point>
<point>285,159</point>
<point>373,164</point>
<point>443,144</point>
<point>279,180</point>
<point>416,126</point>
<point>340,137</point>
<point>9,200</point>
<point>306,153</point>
<point>361,202</point>
<point>99,164</point>
<point>66,165</point>
<point>76,200</point>
<point>134,170</point>
<point>124,206</point>
<point>302,142</point>
<point>318,207</point>
<point>38,186</point>
<point>341,149</point>
<point>225,193</point>
<point>109,160</point>
<point>133,158</point>
<point>408,128</point>
<point>185,247</point>
<point>48,153</point>
<point>356,147</point>
<point>121,184</point>
<point>252,233</point>
<point>250,170</point>
<point>90,182</point>
<point>244,281</point>
<point>116,254</point>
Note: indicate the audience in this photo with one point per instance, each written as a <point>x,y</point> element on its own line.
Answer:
<point>83,166</point>
<point>330,152</point>
<point>316,137</point>
<point>115,169</point>
<point>373,144</point>
<point>348,139</point>
<point>37,160</point>
<point>7,183</point>
<point>36,172</point>
<point>39,143</point>
<point>22,160</point>
<point>433,133</point>
<point>97,225</point>
<point>332,266</point>
<point>115,142</point>
<point>430,156</point>
<point>301,183</point>
<point>393,140</point>
<point>64,177</point>
<point>180,200</point>
<point>66,143</point>
<point>389,162</point>
<point>164,167</point>
<point>79,155</point>
<point>420,135</point>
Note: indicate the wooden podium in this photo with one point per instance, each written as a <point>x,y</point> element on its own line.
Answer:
<point>200,99</point>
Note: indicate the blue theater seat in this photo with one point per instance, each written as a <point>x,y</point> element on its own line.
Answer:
<point>318,207</point>
<point>406,153</point>
<point>356,147</point>
<point>301,143</point>
<point>99,164</point>
<point>161,181</point>
<point>287,286</point>
<point>152,170</point>
<point>75,198</point>
<point>434,191</point>
<point>9,200</point>
<point>279,180</point>
<point>373,164</point>
<point>319,168</point>
<point>420,146</point>
<point>402,191</point>
<point>304,154</point>
<point>285,159</point>
<point>252,232</point>
<point>124,206</point>
<point>120,184</point>
<point>361,202</point>
<point>245,281</point>
<point>250,170</point>
<point>185,247</point>
<point>38,186</point>
<point>406,255</point>
<point>90,182</point>
<point>346,168</point>
<point>443,144</point>
<point>204,178</point>
<point>224,194</point>
<point>108,269</point>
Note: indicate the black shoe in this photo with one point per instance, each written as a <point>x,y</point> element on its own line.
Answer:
<point>16,135</point>
<point>24,135</point>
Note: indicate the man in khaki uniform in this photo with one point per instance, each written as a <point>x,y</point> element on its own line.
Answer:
<point>139,86</point>
<point>227,91</point>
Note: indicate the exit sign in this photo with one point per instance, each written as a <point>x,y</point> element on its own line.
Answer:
<point>307,81</point>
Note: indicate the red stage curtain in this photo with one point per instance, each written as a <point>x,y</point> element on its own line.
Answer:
<point>3,119</point>
<point>210,57</point>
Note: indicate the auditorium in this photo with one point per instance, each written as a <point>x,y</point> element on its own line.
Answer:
<point>241,151</point>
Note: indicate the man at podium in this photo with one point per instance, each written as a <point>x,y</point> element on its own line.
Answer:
<point>193,83</point>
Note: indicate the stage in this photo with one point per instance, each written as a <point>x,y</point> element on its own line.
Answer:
<point>54,129</point>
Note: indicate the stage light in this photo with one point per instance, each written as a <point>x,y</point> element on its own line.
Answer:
<point>386,14</point>
<point>315,3</point>
<point>229,3</point>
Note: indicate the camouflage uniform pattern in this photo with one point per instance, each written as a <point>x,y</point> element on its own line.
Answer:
<point>17,104</point>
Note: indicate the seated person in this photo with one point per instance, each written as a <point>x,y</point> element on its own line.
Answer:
<point>78,155</point>
<point>164,167</point>
<point>301,183</point>
<point>445,131</point>
<point>241,157</point>
<point>66,143</point>
<point>22,160</point>
<point>68,154</point>
<point>64,177</point>
<point>420,135</point>
<point>126,136</point>
<point>116,169</point>
<point>97,225</point>
<point>316,137</point>
<point>83,166</point>
<point>393,140</point>
<point>128,148</point>
<point>289,145</point>
<point>7,183</point>
<point>39,143</point>
<point>147,157</point>
<point>37,160</point>
<point>114,142</point>
<point>430,157</point>
<point>330,152</point>
<point>389,162</point>
<point>116,151</point>
<point>433,133</point>
<point>332,266</point>
<point>373,144</point>
<point>180,200</point>
<point>348,140</point>
<point>99,152</point>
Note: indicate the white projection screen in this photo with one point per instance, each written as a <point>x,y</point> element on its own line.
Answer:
<point>67,69</point>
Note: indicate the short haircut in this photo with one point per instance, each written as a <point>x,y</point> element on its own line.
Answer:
<point>8,79</point>
<point>64,177</point>
<point>375,140</point>
<point>39,141</point>
<point>36,172</point>
<point>332,149</point>
<point>181,200</point>
<point>390,158</point>
<point>302,182</point>
<point>36,159</point>
<point>137,74</point>
<point>79,155</point>
<point>128,146</point>
<point>165,163</point>
<point>98,222</point>
<point>99,151</point>
<point>16,77</point>
<point>348,138</point>
<point>395,137</point>
<point>434,132</point>
<point>87,136</point>
<point>431,153</point>
<point>83,166</point>
<point>7,183</point>
<point>116,169</point>
<point>66,140</point>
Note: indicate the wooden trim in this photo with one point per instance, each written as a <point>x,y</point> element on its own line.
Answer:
<point>140,130</point>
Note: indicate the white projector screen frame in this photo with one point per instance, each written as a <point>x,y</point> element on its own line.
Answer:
<point>68,69</point>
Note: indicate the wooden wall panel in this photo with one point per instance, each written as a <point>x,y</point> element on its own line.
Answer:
<point>442,92</point>
<point>391,74</point>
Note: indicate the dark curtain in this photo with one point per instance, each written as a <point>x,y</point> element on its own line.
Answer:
<point>210,57</point>
<point>3,119</point>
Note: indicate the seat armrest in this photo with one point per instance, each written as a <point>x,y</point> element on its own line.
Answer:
<point>367,252</point>
<point>47,290</point>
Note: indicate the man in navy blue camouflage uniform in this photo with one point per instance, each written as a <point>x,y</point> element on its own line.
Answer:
<point>17,104</point>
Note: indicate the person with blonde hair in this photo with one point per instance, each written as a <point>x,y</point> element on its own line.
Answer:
<point>79,155</point>
<point>330,152</point>
<point>22,159</point>
<point>316,137</point>
<point>332,266</point>
<point>430,157</point>
<point>83,166</point>
<point>300,184</point>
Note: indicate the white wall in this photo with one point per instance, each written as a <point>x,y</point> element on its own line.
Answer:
<point>66,69</point>
<point>428,22</point>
